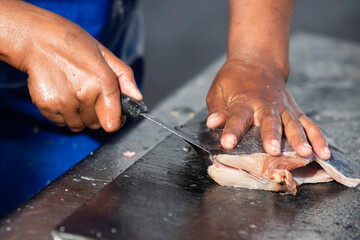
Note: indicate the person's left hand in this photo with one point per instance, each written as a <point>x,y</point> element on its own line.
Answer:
<point>246,93</point>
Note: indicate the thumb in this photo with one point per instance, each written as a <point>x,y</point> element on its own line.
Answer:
<point>217,108</point>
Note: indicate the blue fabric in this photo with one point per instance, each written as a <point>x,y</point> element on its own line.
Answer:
<point>94,16</point>
<point>33,151</point>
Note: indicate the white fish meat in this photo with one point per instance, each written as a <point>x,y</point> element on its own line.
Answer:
<point>249,166</point>
<point>282,173</point>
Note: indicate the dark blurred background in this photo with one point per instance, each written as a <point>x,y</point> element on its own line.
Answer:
<point>183,37</point>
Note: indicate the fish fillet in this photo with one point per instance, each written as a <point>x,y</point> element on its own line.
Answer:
<point>282,173</point>
<point>311,173</point>
<point>249,166</point>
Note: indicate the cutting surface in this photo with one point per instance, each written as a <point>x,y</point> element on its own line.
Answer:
<point>324,79</point>
<point>168,195</point>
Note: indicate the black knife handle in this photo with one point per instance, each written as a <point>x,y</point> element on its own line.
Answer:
<point>132,108</point>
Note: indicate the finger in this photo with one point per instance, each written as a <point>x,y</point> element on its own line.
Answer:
<point>217,110</point>
<point>216,117</point>
<point>238,122</point>
<point>295,134</point>
<point>107,105</point>
<point>56,118</point>
<point>123,73</point>
<point>74,121</point>
<point>88,116</point>
<point>315,137</point>
<point>271,130</point>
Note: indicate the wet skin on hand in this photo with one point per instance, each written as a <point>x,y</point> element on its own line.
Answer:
<point>73,79</point>
<point>245,94</point>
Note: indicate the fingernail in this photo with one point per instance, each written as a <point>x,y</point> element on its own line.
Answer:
<point>307,145</point>
<point>136,93</point>
<point>230,140</point>
<point>327,150</point>
<point>213,116</point>
<point>275,145</point>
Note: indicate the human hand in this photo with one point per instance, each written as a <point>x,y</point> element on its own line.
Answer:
<point>247,93</point>
<point>73,79</point>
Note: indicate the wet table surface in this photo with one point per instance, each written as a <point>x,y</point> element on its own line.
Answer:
<point>167,194</point>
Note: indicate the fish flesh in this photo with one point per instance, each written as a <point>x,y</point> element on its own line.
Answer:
<point>249,166</point>
<point>283,173</point>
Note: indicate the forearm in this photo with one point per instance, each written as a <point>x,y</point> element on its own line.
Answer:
<point>12,31</point>
<point>260,29</point>
<point>25,29</point>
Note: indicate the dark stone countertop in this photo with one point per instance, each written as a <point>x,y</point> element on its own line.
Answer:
<point>167,194</point>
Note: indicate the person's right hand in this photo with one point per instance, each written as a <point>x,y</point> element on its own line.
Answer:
<point>73,79</point>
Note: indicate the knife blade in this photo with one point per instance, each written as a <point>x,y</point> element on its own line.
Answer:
<point>173,130</point>
<point>135,109</point>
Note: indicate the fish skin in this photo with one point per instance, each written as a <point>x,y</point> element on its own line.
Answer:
<point>339,166</point>
<point>250,143</point>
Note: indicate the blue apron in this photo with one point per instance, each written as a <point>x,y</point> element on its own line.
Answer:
<point>33,150</point>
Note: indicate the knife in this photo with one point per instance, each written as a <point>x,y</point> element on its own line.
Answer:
<point>135,109</point>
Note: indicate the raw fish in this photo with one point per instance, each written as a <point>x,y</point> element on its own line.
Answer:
<point>249,166</point>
